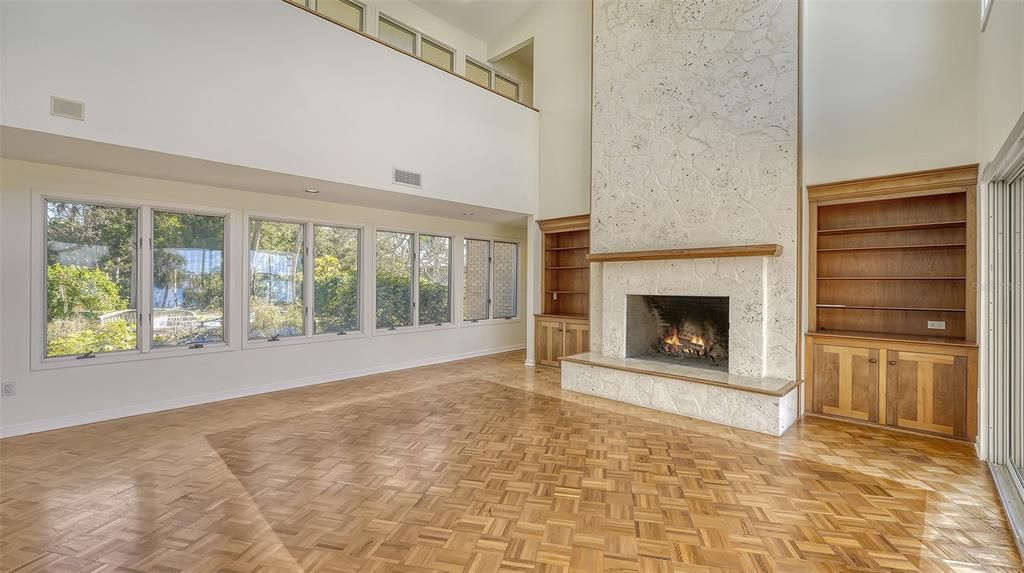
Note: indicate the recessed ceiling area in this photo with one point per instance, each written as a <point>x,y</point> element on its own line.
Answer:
<point>484,19</point>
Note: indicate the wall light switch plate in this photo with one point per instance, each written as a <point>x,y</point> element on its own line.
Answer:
<point>9,388</point>
<point>937,324</point>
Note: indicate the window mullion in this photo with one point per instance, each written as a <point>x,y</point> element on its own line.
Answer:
<point>416,280</point>
<point>144,284</point>
<point>490,280</point>
<point>308,287</point>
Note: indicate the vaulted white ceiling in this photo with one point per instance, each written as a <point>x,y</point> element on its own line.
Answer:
<point>484,19</point>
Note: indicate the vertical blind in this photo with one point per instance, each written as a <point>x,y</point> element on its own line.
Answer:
<point>1004,359</point>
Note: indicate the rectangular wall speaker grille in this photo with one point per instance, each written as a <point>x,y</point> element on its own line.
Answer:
<point>408,178</point>
<point>67,108</point>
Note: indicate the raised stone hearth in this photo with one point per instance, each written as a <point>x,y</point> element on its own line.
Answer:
<point>767,405</point>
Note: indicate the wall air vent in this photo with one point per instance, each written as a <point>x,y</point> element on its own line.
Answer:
<point>67,108</point>
<point>409,178</point>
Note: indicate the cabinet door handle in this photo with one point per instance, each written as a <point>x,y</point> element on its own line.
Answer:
<point>873,360</point>
<point>892,362</point>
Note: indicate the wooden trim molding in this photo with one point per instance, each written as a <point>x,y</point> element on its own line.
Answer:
<point>903,184</point>
<point>386,45</point>
<point>766,250</point>
<point>571,223</point>
<point>777,392</point>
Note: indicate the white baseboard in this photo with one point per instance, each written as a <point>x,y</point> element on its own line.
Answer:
<point>195,400</point>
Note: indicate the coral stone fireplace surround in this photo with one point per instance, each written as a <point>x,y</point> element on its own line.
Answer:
<point>704,338</point>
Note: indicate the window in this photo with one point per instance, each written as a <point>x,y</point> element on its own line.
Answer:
<point>394,279</point>
<point>476,280</point>
<point>413,280</point>
<point>506,87</point>
<point>506,279</point>
<point>91,278</point>
<point>188,279</point>
<point>478,74</point>
<point>437,54</point>
<point>394,34</point>
<point>335,279</point>
<point>276,279</point>
<point>343,12</point>
<point>490,280</point>
<point>435,254</point>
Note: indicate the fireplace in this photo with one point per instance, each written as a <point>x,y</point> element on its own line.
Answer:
<point>688,330</point>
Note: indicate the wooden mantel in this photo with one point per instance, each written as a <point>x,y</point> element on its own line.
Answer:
<point>766,250</point>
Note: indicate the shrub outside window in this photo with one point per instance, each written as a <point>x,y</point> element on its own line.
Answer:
<point>394,284</point>
<point>335,279</point>
<point>435,276</point>
<point>91,278</point>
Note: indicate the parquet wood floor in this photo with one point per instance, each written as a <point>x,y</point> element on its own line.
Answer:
<point>484,466</point>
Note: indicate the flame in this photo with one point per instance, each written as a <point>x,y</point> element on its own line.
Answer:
<point>675,343</point>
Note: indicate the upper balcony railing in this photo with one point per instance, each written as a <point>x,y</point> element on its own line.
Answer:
<point>352,16</point>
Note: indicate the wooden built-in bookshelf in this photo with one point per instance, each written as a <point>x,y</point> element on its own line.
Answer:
<point>563,325</point>
<point>566,279</point>
<point>892,265</point>
<point>893,301</point>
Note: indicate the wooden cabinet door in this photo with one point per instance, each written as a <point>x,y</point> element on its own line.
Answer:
<point>846,381</point>
<point>549,342</point>
<point>927,392</point>
<point>577,338</point>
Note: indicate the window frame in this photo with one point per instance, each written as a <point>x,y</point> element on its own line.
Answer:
<point>420,38</point>
<point>519,86</point>
<point>416,326</point>
<point>312,5</point>
<point>399,24</point>
<point>144,272</point>
<point>308,292</point>
<point>225,271</point>
<point>494,78</point>
<point>479,64</point>
<point>360,276</point>
<point>491,320</point>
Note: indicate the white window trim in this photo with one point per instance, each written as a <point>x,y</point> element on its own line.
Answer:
<point>420,37</point>
<point>416,326</point>
<point>144,284</point>
<point>360,296</point>
<point>308,289</point>
<point>396,22</point>
<point>494,75</point>
<point>510,79</point>
<point>490,321</point>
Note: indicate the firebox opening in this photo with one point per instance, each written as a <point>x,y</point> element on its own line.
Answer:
<point>688,330</point>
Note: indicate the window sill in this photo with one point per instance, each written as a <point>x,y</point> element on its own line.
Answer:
<point>413,329</point>
<point>299,340</point>
<point>491,322</point>
<point>128,356</point>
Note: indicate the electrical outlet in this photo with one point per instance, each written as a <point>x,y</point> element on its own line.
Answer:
<point>937,324</point>
<point>9,388</point>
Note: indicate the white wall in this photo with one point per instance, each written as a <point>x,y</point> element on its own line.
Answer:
<point>263,84</point>
<point>561,91</point>
<point>1000,76</point>
<point>65,396</point>
<point>889,86</point>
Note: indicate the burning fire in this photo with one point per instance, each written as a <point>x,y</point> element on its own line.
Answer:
<point>685,343</point>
